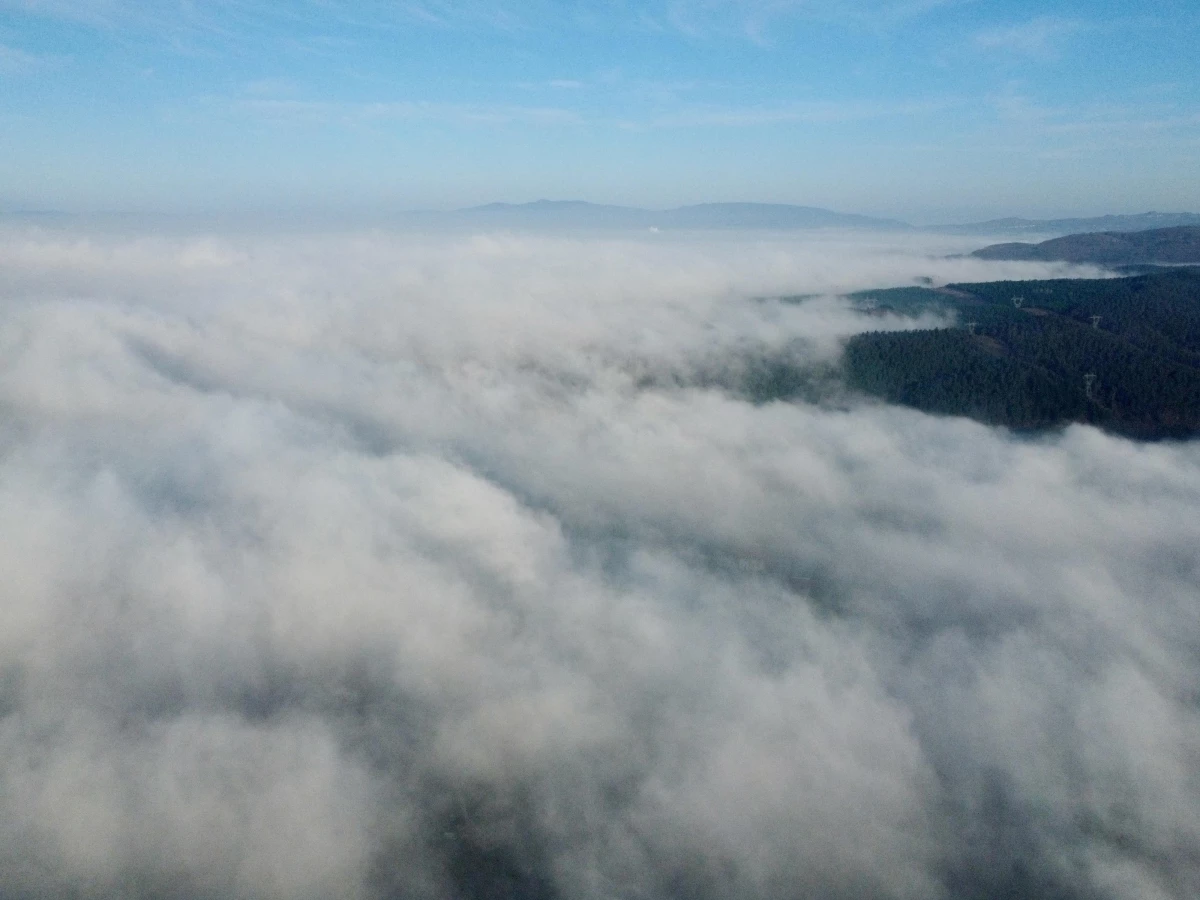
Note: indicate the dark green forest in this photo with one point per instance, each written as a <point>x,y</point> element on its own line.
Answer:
<point>1030,355</point>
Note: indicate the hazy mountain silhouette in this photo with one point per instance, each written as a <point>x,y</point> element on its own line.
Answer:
<point>1110,248</point>
<point>1139,222</point>
<point>577,213</point>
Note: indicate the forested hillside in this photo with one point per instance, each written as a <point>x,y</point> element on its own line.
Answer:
<point>1032,355</point>
<point>1180,244</point>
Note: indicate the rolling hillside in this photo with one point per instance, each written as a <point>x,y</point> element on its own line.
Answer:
<point>1109,248</point>
<point>1123,354</point>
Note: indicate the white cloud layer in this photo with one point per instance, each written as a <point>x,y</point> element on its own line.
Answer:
<point>380,565</point>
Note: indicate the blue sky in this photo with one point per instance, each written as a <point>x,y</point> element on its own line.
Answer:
<point>923,109</point>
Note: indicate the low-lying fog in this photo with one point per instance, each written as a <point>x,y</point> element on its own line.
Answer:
<point>373,565</point>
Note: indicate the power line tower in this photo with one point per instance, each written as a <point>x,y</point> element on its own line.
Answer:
<point>1018,302</point>
<point>971,327</point>
<point>1095,321</point>
<point>1088,381</point>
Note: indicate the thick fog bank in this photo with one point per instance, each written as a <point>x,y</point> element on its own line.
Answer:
<point>375,566</point>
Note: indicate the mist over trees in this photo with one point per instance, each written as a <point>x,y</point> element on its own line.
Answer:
<point>374,565</point>
<point>1123,354</point>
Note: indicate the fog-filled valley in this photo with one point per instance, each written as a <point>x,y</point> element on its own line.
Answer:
<point>375,564</point>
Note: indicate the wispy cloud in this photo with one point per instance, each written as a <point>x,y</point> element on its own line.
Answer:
<point>221,13</point>
<point>1026,127</point>
<point>15,61</point>
<point>322,112</point>
<point>758,20</point>
<point>1039,37</point>
<point>1020,110</point>
<point>813,113</point>
<point>92,12</point>
<point>271,87</point>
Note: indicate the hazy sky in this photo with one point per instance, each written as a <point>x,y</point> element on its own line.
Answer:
<point>926,109</point>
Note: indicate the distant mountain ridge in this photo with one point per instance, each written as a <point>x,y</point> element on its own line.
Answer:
<point>1017,226</point>
<point>770,215</point>
<point>578,213</point>
<point>784,216</point>
<point>584,215</point>
<point>1176,245</point>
